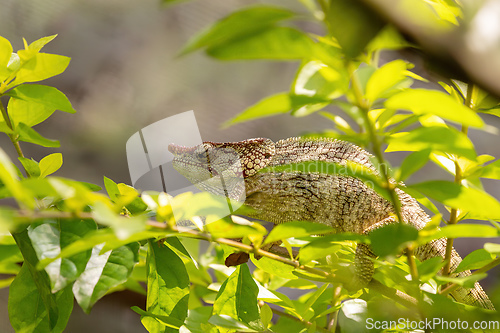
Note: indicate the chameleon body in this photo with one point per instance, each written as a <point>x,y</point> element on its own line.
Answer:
<point>343,202</point>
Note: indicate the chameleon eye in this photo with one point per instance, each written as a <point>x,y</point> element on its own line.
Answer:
<point>201,155</point>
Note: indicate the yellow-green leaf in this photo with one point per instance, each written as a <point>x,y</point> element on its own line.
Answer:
<point>385,78</point>
<point>454,195</point>
<point>269,106</point>
<point>50,164</point>
<point>443,139</point>
<point>423,101</point>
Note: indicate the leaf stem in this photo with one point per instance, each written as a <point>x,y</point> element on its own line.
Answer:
<point>458,180</point>
<point>332,322</point>
<point>376,145</point>
<point>12,137</point>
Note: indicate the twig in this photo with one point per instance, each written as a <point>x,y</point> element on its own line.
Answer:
<point>195,233</point>
<point>458,180</point>
<point>12,138</point>
<point>396,295</point>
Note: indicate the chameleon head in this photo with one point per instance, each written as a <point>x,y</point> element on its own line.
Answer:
<point>203,165</point>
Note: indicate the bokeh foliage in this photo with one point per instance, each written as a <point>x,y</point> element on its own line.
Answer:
<point>76,243</point>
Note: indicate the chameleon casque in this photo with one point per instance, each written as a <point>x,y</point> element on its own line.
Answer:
<point>343,202</point>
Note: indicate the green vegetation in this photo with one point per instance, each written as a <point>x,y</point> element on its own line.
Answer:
<point>76,243</point>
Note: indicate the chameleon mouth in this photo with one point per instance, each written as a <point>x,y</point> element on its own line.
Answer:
<point>177,149</point>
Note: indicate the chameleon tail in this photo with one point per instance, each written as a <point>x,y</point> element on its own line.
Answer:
<point>474,296</point>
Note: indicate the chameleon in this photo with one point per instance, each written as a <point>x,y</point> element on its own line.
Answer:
<point>342,202</point>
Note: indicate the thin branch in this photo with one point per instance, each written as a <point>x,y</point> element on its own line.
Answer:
<point>195,233</point>
<point>396,295</point>
<point>412,264</point>
<point>332,322</point>
<point>12,138</point>
<point>376,145</point>
<point>458,180</point>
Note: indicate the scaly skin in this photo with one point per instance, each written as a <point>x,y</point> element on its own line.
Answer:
<point>342,202</point>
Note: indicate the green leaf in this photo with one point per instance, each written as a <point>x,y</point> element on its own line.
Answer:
<point>172,2</point>
<point>10,255</point>
<point>31,166</point>
<point>168,287</point>
<point>5,51</point>
<point>164,320</point>
<point>40,279</point>
<point>29,113</point>
<point>197,320</point>
<point>27,312</point>
<point>353,25</point>
<point>46,95</point>
<point>443,139</point>
<point>50,238</point>
<point>384,78</point>
<point>464,230</point>
<point>41,67</point>
<point>313,299</point>
<point>474,260</point>
<point>353,315</point>
<point>27,134</point>
<point>392,238</point>
<point>272,43</point>
<point>213,207</point>
<point>296,229</point>
<point>111,188</point>
<point>7,223</point>
<point>103,272</point>
<point>454,195</point>
<point>363,74</point>
<point>101,236</point>
<point>38,44</point>
<point>464,281</point>
<point>50,164</point>
<point>491,170</point>
<point>123,230</point>
<point>412,163</point>
<point>389,38</point>
<point>226,228</point>
<point>429,268</point>
<point>5,54</point>
<point>492,248</point>
<point>423,101</point>
<point>237,298</point>
<point>323,246</point>
<point>266,314</point>
<point>237,25</point>
<point>269,106</point>
<point>314,78</point>
<point>33,103</point>
<point>4,127</point>
<point>228,322</point>
<point>10,180</point>
<point>274,267</point>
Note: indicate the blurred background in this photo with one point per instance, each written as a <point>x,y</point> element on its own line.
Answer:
<point>124,75</point>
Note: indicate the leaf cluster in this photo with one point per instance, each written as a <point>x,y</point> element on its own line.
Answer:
<point>67,241</point>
